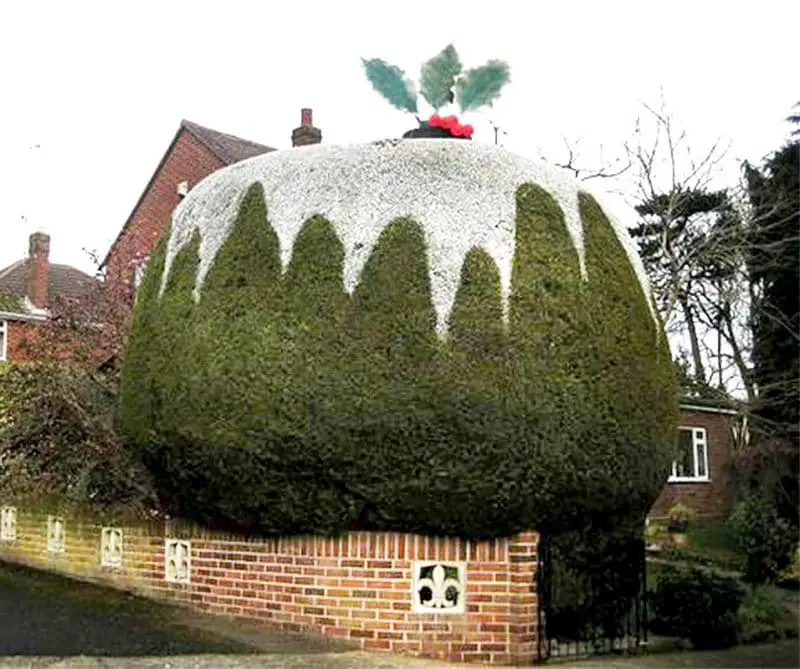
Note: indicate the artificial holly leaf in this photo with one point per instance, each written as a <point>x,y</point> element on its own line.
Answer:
<point>481,86</point>
<point>438,77</point>
<point>392,83</point>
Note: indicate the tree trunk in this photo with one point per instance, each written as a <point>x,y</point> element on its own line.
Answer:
<point>744,371</point>
<point>697,357</point>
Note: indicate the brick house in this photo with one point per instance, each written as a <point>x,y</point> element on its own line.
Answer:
<point>194,153</point>
<point>30,290</point>
<point>700,476</point>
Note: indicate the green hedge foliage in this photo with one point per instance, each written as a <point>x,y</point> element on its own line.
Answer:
<point>766,540</point>
<point>279,404</point>
<point>698,604</point>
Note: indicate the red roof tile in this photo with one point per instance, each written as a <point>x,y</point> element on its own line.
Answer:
<point>67,283</point>
<point>228,148</point>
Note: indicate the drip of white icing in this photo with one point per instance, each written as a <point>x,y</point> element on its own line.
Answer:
<point>462,193</point>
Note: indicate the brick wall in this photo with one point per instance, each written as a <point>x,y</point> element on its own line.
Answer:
<point>707,498</point>
<point>19,334</point>
<point>29,340</point>
<point>187,159</point>
<point>357,587</point>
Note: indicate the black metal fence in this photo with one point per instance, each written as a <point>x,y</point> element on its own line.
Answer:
<point>592,595</point>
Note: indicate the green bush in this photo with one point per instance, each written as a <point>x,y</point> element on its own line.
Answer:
<point>697,604</point>
<point>763,607</point>
<point>278,403</point>
<point>59,446</point>
<point>763,537</point>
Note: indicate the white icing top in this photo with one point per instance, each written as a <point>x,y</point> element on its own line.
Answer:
<point>462,193</point>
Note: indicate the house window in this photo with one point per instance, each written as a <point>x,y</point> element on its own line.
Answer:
<point>692,463</point>
<point>3,340</point>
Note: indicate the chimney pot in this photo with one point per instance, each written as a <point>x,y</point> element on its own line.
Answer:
<point>306,134</point>
<point>38,245</point>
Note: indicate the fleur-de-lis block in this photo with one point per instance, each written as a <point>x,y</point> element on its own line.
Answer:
<point>438,587</point>
<point>111,547</point>
<point>177,554</point>
<point>55,535</point>
<point>8,523</point>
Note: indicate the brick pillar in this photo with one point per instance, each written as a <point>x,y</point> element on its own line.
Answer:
<point>523,630</point>
<point>306,134</point>
<point>39,269</point>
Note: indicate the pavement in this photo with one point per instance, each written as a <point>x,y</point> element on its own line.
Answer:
<point>50,621</point>
<point>349,660</point>
<point>47,621</point>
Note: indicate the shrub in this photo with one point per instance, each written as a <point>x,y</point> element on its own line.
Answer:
<point>679,516</point>
<point>697,604</point>
<point>278,403</point>
<point>59,446</point>
<point>765,539</point>
<point>790,577</point>
<point>763,607</point>
<point>654,532</point>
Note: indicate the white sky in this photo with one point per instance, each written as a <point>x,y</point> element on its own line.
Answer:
<point>101,87</point>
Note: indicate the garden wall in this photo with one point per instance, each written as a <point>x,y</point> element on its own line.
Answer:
<point>361,586</point>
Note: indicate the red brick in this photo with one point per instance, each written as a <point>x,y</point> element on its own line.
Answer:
<point>362,634</point>
<point>390,635</point>
<point>350,562</point>
<point>391,575</point>
<point>377,644</point>
<point>483,658</point>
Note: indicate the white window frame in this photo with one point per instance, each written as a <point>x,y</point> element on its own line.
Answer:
<point>699,437</point>
<point>3,340</point>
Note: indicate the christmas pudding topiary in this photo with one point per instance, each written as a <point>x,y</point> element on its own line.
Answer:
<point>441,82</point>
<point>440,337</point>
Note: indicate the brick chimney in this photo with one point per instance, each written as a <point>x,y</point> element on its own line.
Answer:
<point>39,269</point>
<point>306,133</point>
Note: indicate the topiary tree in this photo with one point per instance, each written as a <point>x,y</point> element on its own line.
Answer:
<point>273,386</point>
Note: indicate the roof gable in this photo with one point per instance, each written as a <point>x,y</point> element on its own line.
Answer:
<point>228,148</point>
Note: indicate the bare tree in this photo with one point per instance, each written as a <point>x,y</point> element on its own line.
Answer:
<point>672,192</point>
<point>605,170</point>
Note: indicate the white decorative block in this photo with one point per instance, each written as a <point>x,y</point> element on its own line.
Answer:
<point>56,534</point>
<point>111,547</point>
<point>438,587</point>
<point>8,523</point>
<point>177,561</point>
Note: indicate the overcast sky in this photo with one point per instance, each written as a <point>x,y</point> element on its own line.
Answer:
<point>91,93</point>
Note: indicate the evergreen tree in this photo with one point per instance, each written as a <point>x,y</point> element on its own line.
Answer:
<point>774,268</point>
